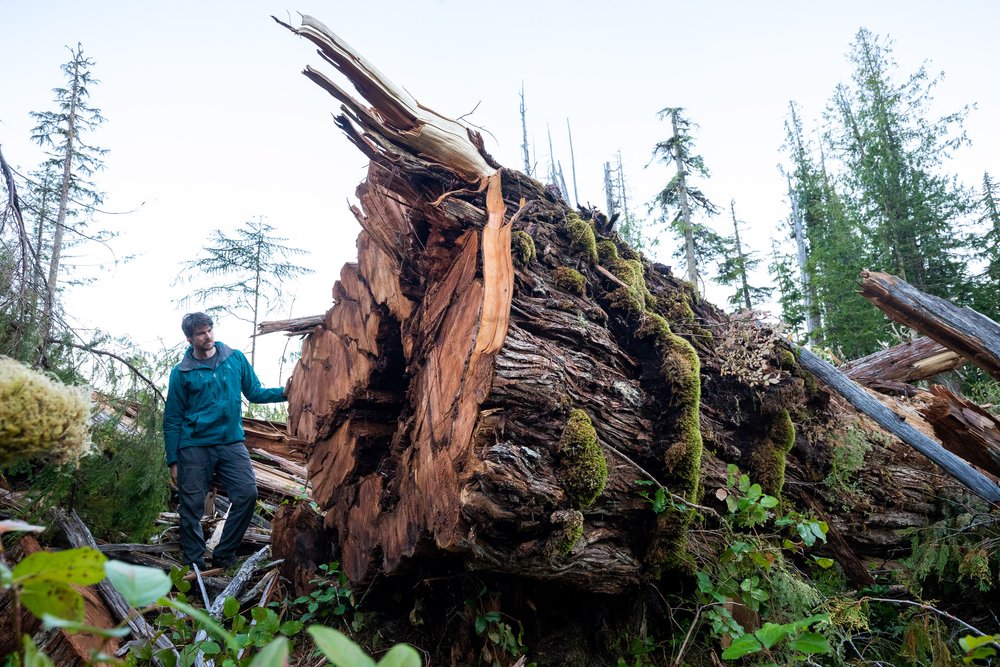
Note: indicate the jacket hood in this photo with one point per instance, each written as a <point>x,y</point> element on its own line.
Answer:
<point>189,362</point>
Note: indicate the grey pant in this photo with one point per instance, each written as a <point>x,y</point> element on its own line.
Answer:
<point>196,467</point>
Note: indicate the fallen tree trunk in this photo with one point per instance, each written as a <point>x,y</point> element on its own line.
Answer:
<point>908,362</point>
<point>498,370</point>
<point>964,428</point>
<point>968,333</point>
<point>974,480</point>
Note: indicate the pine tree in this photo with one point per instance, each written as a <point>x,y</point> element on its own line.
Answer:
<point>679,200</point>
<point>737,262</point>
<point>253,265</point>
<point>835,251</point>
<point>63,132</point>
<point>987,245</point>
<point>893,153</point>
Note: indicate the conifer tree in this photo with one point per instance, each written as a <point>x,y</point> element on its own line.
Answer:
<point>679,200</point>
<point>737,262</point>
<point>252,265</point>
<point>893,151</point>
<point>64,133</point>
<point>987,245</point>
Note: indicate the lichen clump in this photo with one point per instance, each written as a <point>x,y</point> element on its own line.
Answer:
<point>581,236</point>
<point>583,471</point>
<point>41,417</point>
<point>522,248</point>
<point>569,280</point>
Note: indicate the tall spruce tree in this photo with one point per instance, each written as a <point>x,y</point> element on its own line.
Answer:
<point>893,152</point>
<point>680,200</point>
<point>253,265</point>
<point>986,241</point>
<point>736,265</point>
<point>835,252</point>
<point>63,132</point>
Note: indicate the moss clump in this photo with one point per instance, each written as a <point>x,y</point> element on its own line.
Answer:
<point>607,251</point>
<point>569,280</point>
<point>581,236</point>
<point>786,360</point>
<point>768,459</point>
<point>522,248</point>
<point>41,417</point>
<point>583,472</point>
<point>682,367</point>
<point>568,531</point>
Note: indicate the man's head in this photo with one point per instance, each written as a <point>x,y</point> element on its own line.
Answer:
<point>197,329</point>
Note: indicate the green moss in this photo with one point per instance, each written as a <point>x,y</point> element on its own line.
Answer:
<point>569,280</point>
<point>682,367</point>
<point>584,471</point>
<point>625,299</point>
<point>522,248</point>
<point>607,251</point>
<point>40,417</point>
<point>581,236</point>
<point>768,459</point>
<point>569,530</point>
<point>787,360</point>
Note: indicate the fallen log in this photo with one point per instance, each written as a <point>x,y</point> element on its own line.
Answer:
<point>79,535</point>
<point>974,480</point>
<point>297,326</point>
<point>904,363</point>
<point>964,428</point>
<point>968,333</point>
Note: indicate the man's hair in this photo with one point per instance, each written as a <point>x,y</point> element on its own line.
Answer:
<point>192,321</point>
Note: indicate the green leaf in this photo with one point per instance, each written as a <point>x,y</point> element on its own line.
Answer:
<point>810,642</point>
<point>49,621</point>
<point>970,643</point>
<point>754,492</point>
<point>82,566</point>
<point>33,657</point>
<point>660,501</point>
<point>210,647</point>
<point>267,621</point>
<point>291,628</point>
<point>274,654</point>
<point>338,649</point>
<point>772,633</point>
<point>204,620</point>
<point>230,607</point>
<point>400,655</point>
<point>742,646</point>
<point>139,585</point>
<point>480,625</point>
<point>768,501</point>
<point>825,563</point>
<point>57,598</point>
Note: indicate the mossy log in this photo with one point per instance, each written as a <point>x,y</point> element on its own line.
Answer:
<point>466,402</point>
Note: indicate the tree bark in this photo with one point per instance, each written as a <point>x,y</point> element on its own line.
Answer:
<point>969,334</point>
<point>912,361</point>
<point>496,374</point>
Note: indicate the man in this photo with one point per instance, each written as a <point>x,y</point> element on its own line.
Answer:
<point>203,436</point>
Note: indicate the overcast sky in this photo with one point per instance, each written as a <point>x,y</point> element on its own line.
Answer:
<point>210,122</point>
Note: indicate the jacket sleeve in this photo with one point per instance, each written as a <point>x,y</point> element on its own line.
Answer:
<point>173,416</point>
<point>251,385</point>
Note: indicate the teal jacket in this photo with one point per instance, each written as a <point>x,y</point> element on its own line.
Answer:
<point>203,406</point>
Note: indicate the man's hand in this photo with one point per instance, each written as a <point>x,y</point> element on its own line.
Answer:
<point>173,473</point>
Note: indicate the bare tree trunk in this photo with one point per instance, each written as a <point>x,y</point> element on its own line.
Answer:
<point>739,255</point>
<point>689,250</point>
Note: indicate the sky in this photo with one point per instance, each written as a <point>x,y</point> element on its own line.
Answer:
<point>210,122</point>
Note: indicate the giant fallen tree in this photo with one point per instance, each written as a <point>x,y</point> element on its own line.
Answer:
<point>498,370</point>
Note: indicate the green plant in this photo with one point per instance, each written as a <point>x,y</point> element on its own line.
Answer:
<point>495,628</point>
<point>331,601</point>
<point>745,574</point>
